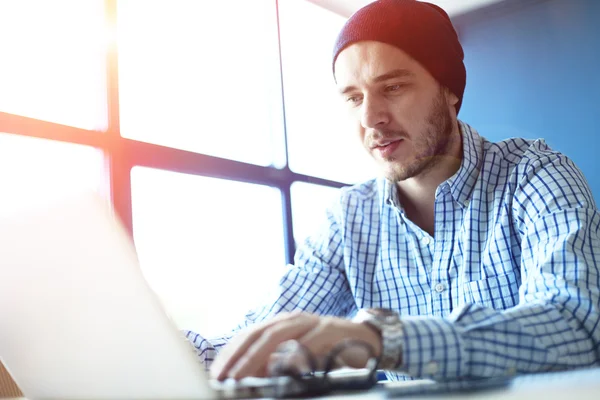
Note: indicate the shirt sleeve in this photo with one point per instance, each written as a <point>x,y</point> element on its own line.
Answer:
<point>555,324</point>
<point>316,283</point>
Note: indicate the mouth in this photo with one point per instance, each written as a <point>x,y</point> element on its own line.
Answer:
<point>386,150</point>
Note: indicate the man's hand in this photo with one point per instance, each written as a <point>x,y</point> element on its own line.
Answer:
<point>251,351</point>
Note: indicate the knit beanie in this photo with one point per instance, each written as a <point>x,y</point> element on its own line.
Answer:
<point>422,30</point>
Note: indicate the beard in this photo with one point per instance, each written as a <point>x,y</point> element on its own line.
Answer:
<point>429,146</point>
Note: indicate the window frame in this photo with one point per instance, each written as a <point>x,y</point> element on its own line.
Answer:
<point>122,154</point>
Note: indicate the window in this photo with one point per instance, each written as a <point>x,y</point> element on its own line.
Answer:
<point>195,159</point>
<point>196,76</point>
<point>53,61</point>
<point>35,172</point>
<point>321,139</point>
<point>309,205</point>
<point>206,243</point>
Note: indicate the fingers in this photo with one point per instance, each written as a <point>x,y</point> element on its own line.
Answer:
<point>255,359</point>
<point>290,358</point>
<point>240,344</point>
<point>254,352</point>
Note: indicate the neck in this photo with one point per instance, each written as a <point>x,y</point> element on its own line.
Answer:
<point>417,194</point>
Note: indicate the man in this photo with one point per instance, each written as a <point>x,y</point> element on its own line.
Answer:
<point>466,259</point>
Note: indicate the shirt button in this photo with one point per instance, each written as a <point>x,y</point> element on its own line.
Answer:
<point>440,287</point>
<point>426,240</point>
<point>431,368</point>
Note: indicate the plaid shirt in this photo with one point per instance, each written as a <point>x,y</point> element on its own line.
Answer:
<point>509,282</point>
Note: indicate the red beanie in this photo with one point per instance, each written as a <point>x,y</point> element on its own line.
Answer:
<point>422,30</point>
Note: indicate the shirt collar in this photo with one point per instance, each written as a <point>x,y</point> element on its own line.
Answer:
<point>463,181</point>
<point>461,184</point>
<point>390,193</point>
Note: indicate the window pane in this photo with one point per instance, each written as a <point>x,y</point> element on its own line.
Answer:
<point>309,203</point>
<point>321,140</point>
<point>34,172</point>
<point>53,61</point>
<point>208,247</point>
<point>198,76</point>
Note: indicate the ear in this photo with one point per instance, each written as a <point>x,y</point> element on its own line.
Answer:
<point>451,98</point>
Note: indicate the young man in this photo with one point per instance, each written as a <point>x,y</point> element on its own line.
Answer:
<point>466,258</point>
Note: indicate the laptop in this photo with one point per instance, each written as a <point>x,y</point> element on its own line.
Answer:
<point>79,321</point>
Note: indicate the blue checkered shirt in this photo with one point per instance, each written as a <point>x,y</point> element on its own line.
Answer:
<point>509,283</point>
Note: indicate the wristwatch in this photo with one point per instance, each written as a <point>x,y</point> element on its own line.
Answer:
<point>388,326</point>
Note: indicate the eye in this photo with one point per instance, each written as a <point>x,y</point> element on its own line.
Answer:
<point>354,99</point>
<point>394,88</point>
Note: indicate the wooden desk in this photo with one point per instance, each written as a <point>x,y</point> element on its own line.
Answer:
<point>8,387</point>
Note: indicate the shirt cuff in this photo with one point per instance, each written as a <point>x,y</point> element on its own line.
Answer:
<point>432,348</point>
<point>206,350</point>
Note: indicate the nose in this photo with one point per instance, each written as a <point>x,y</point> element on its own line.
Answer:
<point>374,113</point>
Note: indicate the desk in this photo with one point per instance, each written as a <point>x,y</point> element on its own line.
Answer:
<point>568,385</point>
<point>8,387</point>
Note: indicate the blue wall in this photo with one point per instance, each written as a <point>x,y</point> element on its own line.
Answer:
<point>533,70</point>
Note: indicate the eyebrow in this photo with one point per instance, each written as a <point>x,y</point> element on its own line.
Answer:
<point>396,73</point>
